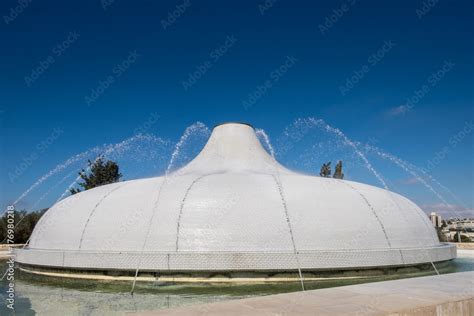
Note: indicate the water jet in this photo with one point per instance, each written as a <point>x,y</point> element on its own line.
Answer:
<point>232,209</point>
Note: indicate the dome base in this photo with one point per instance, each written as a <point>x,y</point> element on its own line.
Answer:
<point>166,262</point>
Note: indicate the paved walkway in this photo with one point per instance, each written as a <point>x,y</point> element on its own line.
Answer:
<point>449,294</point>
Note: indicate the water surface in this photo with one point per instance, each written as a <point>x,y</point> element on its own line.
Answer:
<point>48,296</point>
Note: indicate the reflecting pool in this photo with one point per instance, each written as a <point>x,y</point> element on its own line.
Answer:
<point>48,296</point>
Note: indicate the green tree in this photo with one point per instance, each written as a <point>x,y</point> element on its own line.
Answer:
<point>24,224</point>
<point>101,172</point>
<point>338,171</point>
<point>464,238</point>
<point>325,170</point>
<point>441,236</point>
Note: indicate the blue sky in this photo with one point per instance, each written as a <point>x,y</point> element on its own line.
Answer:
<point>397,74</point>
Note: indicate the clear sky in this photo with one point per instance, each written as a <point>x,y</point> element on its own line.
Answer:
<point>398,74</point>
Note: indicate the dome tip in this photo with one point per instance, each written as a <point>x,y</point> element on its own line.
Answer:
<point>235,123</point>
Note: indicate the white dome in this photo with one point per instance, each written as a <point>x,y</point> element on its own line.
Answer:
<point>234,208</point>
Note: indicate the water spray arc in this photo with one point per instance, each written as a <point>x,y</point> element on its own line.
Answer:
<point>307,124</point>
<point>280,210</point>
<point>276,177</point>
<point>192,130</point>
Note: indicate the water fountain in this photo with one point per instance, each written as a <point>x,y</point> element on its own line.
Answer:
<point>162,288</point>
<point>234,209</point>
<point>130,146</point>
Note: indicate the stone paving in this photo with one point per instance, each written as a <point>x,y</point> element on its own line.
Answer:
<point>448,294</point>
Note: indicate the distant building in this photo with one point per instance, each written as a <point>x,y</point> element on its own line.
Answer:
<point>460,226</point>
<point>436,220</point>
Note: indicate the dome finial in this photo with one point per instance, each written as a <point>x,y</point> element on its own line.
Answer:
<point>232,122</point>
